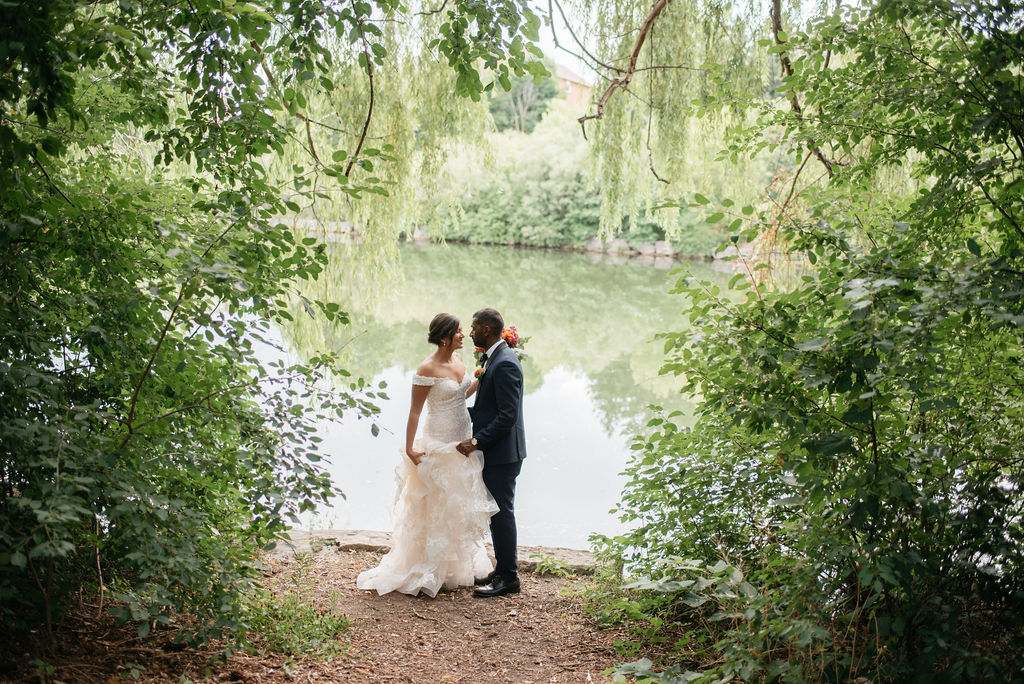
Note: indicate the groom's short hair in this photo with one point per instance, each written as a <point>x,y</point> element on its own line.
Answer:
<point>490,319</point>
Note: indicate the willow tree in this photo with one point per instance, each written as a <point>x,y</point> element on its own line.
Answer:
<point>150,437</point>
<point>675,81</point>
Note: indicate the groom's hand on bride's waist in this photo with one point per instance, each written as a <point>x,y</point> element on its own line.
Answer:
<point>465,447</point>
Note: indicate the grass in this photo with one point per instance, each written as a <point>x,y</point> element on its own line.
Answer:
<point>287,622</point>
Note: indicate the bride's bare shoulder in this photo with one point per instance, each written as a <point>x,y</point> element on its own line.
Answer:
<point>427,369</point>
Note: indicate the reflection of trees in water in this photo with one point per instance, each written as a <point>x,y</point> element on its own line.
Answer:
<point>598,319</point>
<point>623,402</point>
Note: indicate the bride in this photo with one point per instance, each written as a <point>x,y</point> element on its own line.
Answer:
<point>442,508</point>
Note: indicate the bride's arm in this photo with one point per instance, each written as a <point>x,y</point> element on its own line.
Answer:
<point>472,388</point>
<point>419,396</point>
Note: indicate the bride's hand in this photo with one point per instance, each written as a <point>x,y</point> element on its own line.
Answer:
<point>415,456</point>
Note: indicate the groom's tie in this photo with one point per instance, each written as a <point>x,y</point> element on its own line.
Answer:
<point>483,358</point>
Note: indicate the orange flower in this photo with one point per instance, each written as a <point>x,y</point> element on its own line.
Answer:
<point>510,335</point>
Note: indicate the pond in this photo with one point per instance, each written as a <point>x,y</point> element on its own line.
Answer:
<point>591,372</point>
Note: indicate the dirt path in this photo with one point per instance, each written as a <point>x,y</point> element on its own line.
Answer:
<point>540,635</point>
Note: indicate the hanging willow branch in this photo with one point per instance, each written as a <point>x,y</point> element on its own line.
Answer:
<point>623,81</point>
<point>299,115</point>
<point>650,116</point>
<point>273,82</point>
<point>580,43</point>
<point>369,112</point>
<point>787,67</point>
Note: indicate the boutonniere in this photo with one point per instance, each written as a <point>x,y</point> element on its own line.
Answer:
<point>477,354</point>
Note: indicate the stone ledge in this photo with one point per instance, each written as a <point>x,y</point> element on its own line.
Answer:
<point>575,561</point>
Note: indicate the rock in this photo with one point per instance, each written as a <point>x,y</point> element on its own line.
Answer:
<point>617,246</point>
<point>645,248</point>
<point>575,561</point>
<point>663,248</point>
<point>594,245</point>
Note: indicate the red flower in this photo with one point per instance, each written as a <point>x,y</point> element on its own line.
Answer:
<point>510,335</point>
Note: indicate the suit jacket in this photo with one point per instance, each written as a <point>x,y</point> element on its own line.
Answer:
<point>498,411</point>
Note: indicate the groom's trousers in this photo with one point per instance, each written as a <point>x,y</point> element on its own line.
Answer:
<point>500,480</point>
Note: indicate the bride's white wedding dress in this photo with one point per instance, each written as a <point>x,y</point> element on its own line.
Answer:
<point>442,509</point>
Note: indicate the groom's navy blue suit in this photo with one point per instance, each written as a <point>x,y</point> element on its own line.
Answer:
<point>498,428</point>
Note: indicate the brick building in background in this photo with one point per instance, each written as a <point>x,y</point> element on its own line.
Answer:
<point>575,87</point>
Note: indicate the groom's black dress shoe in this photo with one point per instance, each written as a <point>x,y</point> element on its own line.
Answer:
<point>499,586</point>
<point>480,581</point>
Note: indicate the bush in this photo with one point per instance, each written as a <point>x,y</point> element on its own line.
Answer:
<point>848,503</point>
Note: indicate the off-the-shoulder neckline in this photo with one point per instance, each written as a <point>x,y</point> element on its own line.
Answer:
<point>438,377</point>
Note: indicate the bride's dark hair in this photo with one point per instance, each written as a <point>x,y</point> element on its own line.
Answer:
<point>442,327</point>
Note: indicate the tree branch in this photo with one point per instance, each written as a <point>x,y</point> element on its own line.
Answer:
<point>623,81</point>
<point>312,146</point>
<point>369,111</point>
<point>572,33</point>
<point>50,180</point>
<point>299,115</point>
<point>427,13</point>
<point>163,334</point>
<point>787,67</point>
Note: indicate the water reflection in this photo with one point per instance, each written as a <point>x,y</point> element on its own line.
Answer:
<point>592,371</point>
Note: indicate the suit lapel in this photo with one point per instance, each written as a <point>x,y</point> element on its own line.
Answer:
<point>491,360</point>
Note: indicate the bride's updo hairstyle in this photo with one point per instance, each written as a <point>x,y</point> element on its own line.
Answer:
<point>443,327</point>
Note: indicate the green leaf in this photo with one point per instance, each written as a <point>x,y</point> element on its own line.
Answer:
<point>532,27</point>
<point>829,445</point>
<point>814,344</point>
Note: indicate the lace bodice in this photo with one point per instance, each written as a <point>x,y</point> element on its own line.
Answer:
<point>447,418</point>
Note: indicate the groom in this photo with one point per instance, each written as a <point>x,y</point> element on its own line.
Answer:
<point>498,432</point>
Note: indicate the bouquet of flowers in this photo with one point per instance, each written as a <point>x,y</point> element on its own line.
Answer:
<point>514,341</point>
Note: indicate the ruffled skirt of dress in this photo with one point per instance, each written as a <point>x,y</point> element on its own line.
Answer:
<point>441,515</point>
